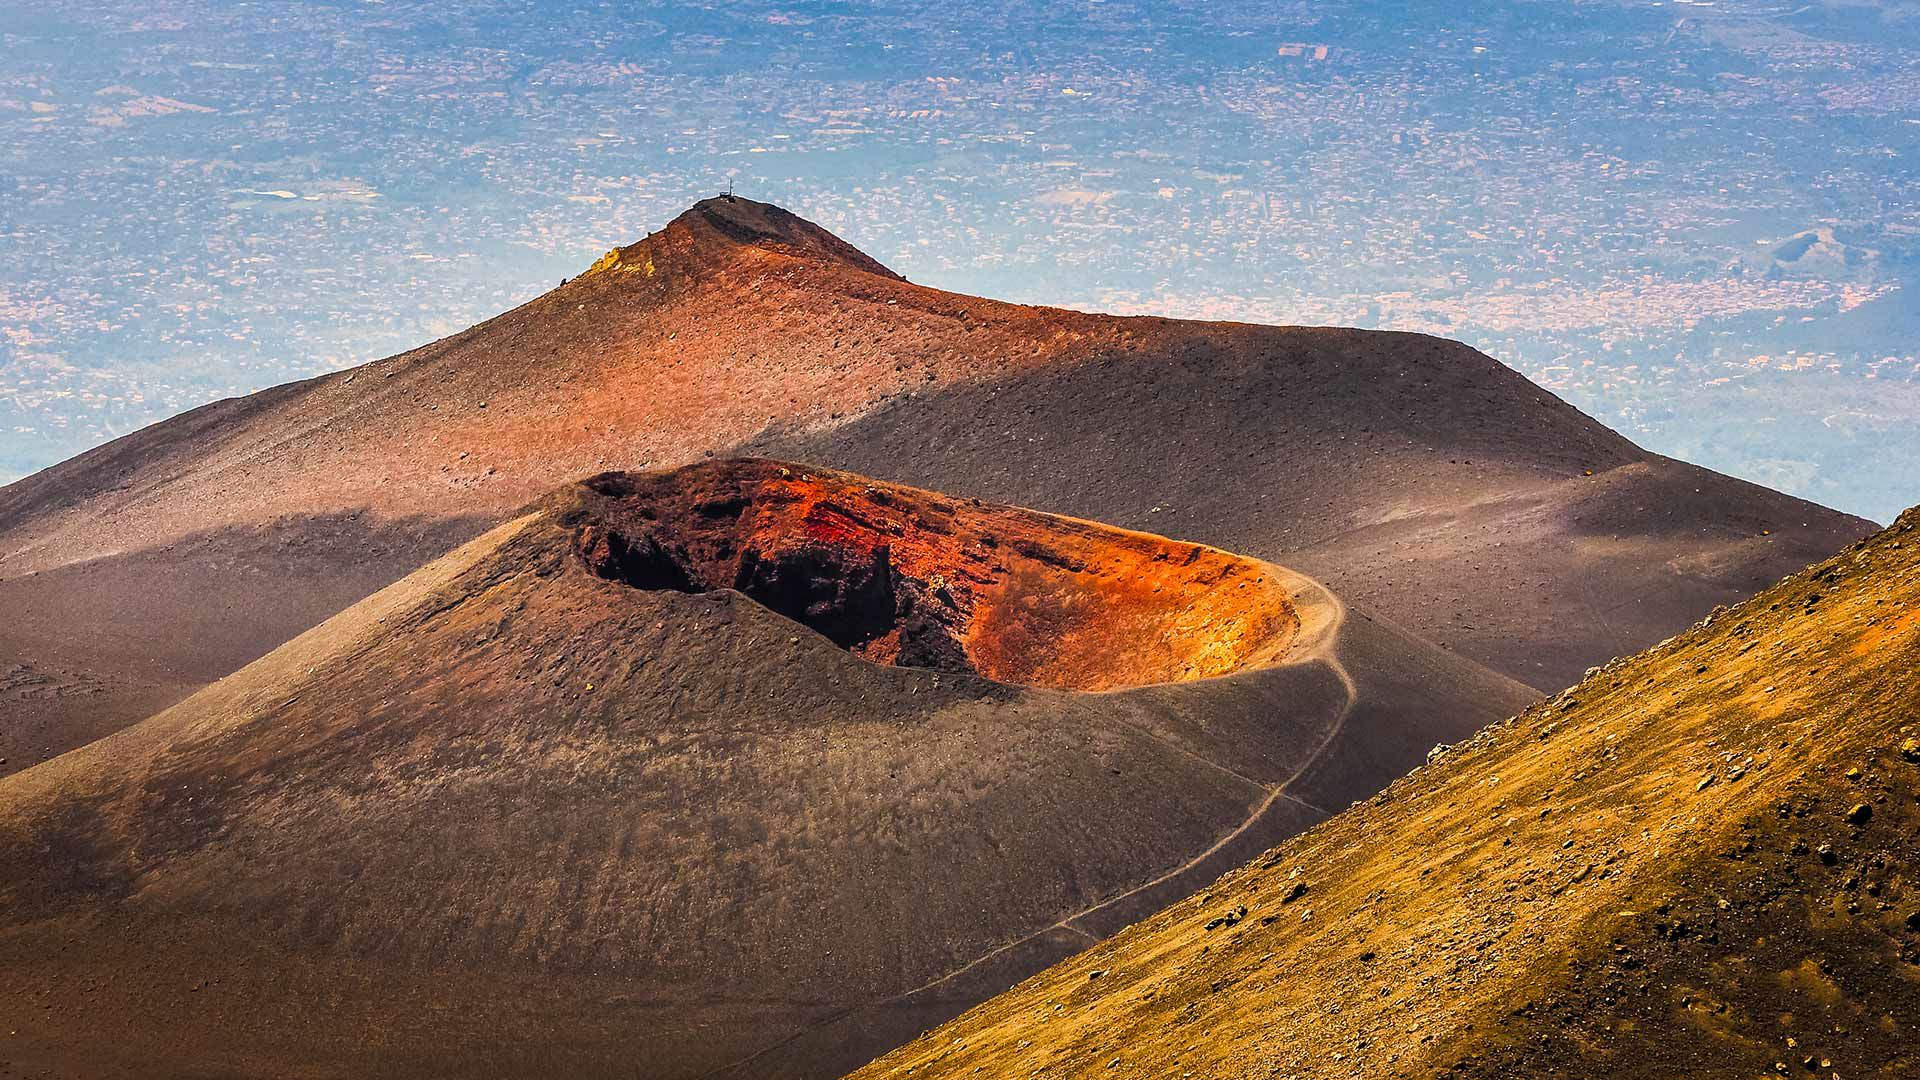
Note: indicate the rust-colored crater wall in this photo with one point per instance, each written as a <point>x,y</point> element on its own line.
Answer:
<point>903,576</point>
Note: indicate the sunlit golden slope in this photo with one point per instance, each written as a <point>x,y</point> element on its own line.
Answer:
<point>1702,861</point>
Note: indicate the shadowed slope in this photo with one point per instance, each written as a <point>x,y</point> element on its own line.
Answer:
<point>509,815</point>
<point>1697,862</point>
<point>1413,475</point>
<point>1424,478</point>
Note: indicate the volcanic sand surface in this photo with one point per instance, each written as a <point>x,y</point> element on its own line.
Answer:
<point>1422,480</point>
<point>1697,862</point>
<point>509,815</point>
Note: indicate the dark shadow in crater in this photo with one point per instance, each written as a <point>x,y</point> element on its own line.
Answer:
<point>854,598</point>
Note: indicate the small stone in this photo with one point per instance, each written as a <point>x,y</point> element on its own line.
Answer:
<point>1910,750</point>
<point>1095,973</point>
<point>1705,783</point>
<point>1860,814</point>
<point>1231,917</point>
<point>1825,851</point>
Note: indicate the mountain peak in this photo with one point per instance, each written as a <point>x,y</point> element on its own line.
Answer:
<point>718,227</point>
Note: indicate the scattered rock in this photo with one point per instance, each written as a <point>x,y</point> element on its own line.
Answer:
<point>1228,919</point>
<point>1910,750</point>
<point>1860,814</point>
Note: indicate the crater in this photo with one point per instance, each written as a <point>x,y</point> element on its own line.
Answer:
<point>913,578</point>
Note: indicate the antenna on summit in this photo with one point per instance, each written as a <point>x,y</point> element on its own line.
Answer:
<point>729,187</point>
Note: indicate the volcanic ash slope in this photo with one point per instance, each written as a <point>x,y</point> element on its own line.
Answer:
<point>749,767</point>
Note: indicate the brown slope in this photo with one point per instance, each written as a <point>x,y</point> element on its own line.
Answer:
<point>534,809</point>
<point>1427,480</point>
<point>1697,862</point>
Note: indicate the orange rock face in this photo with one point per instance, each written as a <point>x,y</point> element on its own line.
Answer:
<point>903,576</point>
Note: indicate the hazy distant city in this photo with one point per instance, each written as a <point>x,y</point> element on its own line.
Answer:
<point>1699,222</point>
